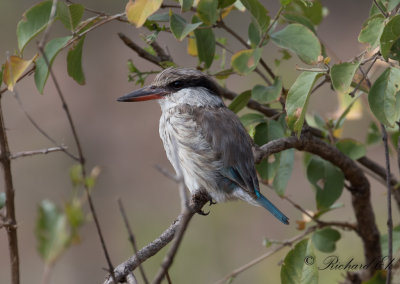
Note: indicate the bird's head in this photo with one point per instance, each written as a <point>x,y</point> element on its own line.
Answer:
<point>178,86</point>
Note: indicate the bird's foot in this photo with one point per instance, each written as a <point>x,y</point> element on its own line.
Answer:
<point>198,200</point>
<point>212,202</point>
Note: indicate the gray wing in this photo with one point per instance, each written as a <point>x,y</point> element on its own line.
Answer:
<point>231,143</point>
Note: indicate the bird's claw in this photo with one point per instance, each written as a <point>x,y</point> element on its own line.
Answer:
<point>201,212</point>
<point>212,202</point>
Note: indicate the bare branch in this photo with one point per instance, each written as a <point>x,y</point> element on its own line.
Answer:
<point>37,152</point>
<point>131,238</point>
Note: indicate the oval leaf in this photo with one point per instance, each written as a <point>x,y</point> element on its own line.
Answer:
<point>186,4</point>
<point>74,62</point>
<point>297,99</point>
<point>259,13</point>
<point>34,21</point>
<point>251,118</point>
<point>70,15</point>
<point>284,171</point>
<point>295,270</point>
<point>51,50</point>
<point>372,30</point>
<point>300,40</point>
<point>137,12</point>
<point>205,42</point>
<point>327,180</point>
<point>264,94</point>
<point>325,239</point>
<point>390,39</point>
<point>207,11</point>
<point>384,97</point>
<point>246,61</point>
<point>342,76</point>
<point>240,101</point>
<point>180,28</point>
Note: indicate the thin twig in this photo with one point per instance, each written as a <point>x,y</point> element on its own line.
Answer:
<point>37,152</point>
<point>389,205</point>
<point>284,244</point>
<point>40,129</point>
<point>364,76</point>
<point>380,9</point>
<point>81,161</point>
<point>131,237</point>
<point>278,14</point>
<point>10,217</point>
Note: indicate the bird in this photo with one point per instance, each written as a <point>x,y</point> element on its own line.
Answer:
<point>213,149</point>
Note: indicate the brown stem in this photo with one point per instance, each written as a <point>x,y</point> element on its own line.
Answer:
<point>360,188</point>
<point>10,201</point>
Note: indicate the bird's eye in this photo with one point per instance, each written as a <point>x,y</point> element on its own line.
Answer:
<point>177,84</point>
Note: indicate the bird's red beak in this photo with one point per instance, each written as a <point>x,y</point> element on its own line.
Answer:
<point>144,94</point>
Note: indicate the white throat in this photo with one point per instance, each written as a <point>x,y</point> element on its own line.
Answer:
<point>194,96</point>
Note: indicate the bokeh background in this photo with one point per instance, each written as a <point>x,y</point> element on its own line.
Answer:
<point>123,140</point>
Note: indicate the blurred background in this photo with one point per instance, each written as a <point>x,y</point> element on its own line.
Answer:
<point>122,139</point>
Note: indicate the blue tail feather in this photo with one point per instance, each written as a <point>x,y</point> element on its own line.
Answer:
<point>264,202</point>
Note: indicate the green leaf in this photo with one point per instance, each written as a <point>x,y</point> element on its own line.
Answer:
<point>2,199</point>
<point>75,173</point>
<point>51,50</point>
<point>259,13</point>
<point>51,232</point>
<point>251,118</point>
<point>70,15</point>
<point>285,2</point>
<point>342,75</point>
<point>325,239</point>
<point>245,61</point>
<point>384,97</point>
<point>254,34</point>
<point>264,94</point>
<point>390,39</point>
<point>180,28</point>
<point>205,42</point>
<point>186,4</point>
<point>297,99</point>
<point>313,12</point>
<point>295,270</point>
<point>225,3</point>
<point>207,11</point>
<point>396,241</point>
<point>351,148</point>
<point>75,214</point>
<point>372,30</point>
<point>34,21</point>
<point>300,19</point>
<point>240,101</point>
<point>373,136</point>
<point>74,62</point>
<point>284,171</point>
<point>327,180</point>
<point>300,40</point>
<point>161,17</point>
<point>268,131</point>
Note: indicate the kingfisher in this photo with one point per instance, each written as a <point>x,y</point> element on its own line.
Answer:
<point>213,149</point>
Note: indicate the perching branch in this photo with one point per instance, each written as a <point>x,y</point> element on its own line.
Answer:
<point>122,270</point>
